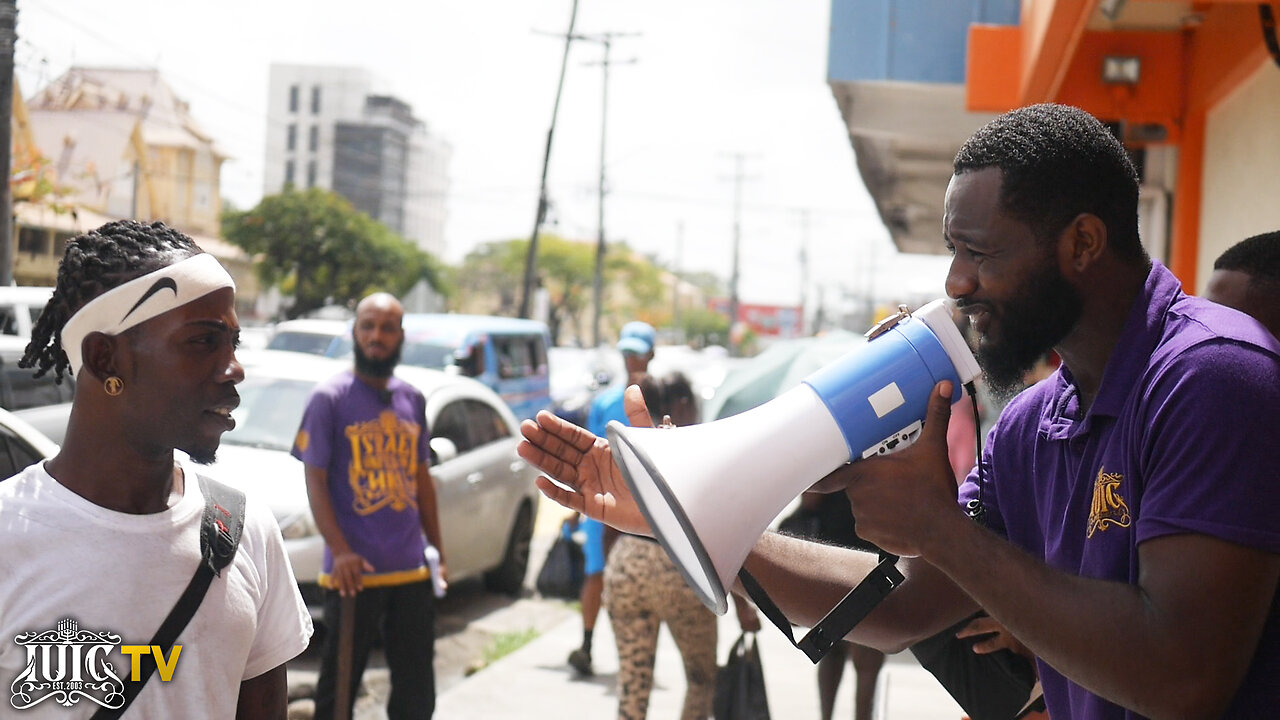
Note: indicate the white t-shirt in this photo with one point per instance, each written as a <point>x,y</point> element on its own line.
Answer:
<point>62,557</point>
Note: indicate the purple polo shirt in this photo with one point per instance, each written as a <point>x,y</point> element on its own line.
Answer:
<point>1182,438</point>
<point>372,449</point>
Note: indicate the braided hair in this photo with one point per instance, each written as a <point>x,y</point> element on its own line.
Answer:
<point>94,263</point>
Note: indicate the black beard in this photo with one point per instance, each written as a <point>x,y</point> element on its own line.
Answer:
<point>203,456</point>
<point>1030,324</point>
<point>377,368</point>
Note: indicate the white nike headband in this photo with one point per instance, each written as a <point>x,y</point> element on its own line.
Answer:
<point>143,298</point>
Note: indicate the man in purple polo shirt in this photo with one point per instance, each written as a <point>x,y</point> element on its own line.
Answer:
<point>1129,499</point>
<point>364,441</point>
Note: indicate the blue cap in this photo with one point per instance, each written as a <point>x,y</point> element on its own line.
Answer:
<point>637,337</point>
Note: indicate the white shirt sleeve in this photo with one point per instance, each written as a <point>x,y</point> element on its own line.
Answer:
<point>284,625</point>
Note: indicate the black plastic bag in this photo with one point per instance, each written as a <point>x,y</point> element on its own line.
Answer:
<point>739,693</point>
<point>562,572</point>
<point>993,686</point>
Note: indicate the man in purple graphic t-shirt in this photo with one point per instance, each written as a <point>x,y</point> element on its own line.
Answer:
<point>365,443</point>
<point>1128,504</point>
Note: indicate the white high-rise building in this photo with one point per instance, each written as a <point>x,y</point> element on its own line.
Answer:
<point>327,128</point>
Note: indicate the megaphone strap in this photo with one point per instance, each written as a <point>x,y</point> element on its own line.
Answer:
<point>842,618</point>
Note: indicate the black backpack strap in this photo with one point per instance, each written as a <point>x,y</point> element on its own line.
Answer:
<point>837,623</point>
<point>220,529</point>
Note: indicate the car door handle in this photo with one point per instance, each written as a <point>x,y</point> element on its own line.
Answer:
<point>475,477</point>
<point>517,466</point>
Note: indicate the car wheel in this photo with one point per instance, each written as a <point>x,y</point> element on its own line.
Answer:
<point>509,576</point>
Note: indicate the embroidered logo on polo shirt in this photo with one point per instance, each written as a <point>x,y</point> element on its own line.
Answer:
<point>1108,506</point>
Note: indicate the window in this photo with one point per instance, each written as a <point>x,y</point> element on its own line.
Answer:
<point>311,173</point>
<point>293,98</point>
<point>33,240</point>
<point>514,358</point>
<point>21,388</point>
<point>313,138</point>
<point>315,100</point>
<point>451,424</point>
<point>288,172</point>
<point>28,392</point>
<point>291,137</point>
<point>486,424</point>
<point>60,241</point>
<point>14,454</point>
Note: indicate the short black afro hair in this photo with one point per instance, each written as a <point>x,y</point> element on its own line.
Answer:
<point>1056,162</point>
<point>1258,257</point>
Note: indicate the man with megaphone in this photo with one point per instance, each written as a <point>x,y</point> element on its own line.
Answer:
<point>1126,505</point>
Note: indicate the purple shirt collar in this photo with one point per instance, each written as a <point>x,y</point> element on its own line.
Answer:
<point>1138,339</point>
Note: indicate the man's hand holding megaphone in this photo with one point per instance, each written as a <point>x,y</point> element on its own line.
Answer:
<point>900,500</point>
<point>584,462</point>
<point>905,499</point>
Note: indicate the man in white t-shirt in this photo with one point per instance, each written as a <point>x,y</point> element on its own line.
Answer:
<point>98,543</point>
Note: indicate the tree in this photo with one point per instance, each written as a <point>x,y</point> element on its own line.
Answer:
<point>703,327</point>
<point>490,277</point>
<point>318,248</point>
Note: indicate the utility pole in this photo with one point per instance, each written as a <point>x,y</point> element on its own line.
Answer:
<point>530,260</point>
<point>597,279</point>
<point>675,286</point>
<point>804,265</point>
<point>738,178</point>
<point>8,36</point>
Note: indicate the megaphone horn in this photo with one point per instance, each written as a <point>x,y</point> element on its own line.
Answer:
<point>710,491</point>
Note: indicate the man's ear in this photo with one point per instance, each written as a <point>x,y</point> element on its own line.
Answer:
<point>101,355</point>
<point>1082,243</point>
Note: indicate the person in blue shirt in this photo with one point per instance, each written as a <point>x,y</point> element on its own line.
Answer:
<point>635,342</point>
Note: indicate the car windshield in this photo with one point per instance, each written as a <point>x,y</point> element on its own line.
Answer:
<point>270,412</point>
<point>428,354</point>
<point>418,353</point>
<point>313,343</point>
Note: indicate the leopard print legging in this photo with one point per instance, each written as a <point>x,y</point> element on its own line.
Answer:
<point>642,589</point>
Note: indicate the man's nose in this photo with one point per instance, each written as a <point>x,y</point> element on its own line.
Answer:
<point>961,280</point>
<point>234,371</point>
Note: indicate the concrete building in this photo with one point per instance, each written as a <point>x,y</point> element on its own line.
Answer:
<point>327,128</point>
<point>1190,88</point>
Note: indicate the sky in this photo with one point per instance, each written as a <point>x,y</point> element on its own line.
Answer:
<point>711,81</point>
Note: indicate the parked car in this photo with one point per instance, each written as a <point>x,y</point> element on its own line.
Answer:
<point>315,337</point>
<point>21,445</point>
<point>507,354</point>
<point>19,387</point>
<point>487,499</point>
<point>20,306</point>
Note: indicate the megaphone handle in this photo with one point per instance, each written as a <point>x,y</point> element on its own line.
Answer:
<point>842,618</point>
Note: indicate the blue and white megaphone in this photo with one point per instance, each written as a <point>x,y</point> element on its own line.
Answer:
<point>710,491</point>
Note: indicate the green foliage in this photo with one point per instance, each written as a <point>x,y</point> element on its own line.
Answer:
<point>491,279</point>
<point>703,327</point>
<point>316,247</point>
<point>507,643</point>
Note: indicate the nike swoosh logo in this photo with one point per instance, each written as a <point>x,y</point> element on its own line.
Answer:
<point>164,283</point>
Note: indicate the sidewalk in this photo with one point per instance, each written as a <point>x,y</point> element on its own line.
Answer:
<point>535,683</point>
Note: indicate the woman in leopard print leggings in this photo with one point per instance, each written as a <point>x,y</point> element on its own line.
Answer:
<point>643,589</point>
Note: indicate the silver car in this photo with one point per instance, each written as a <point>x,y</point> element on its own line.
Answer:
<point>487,499</point>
